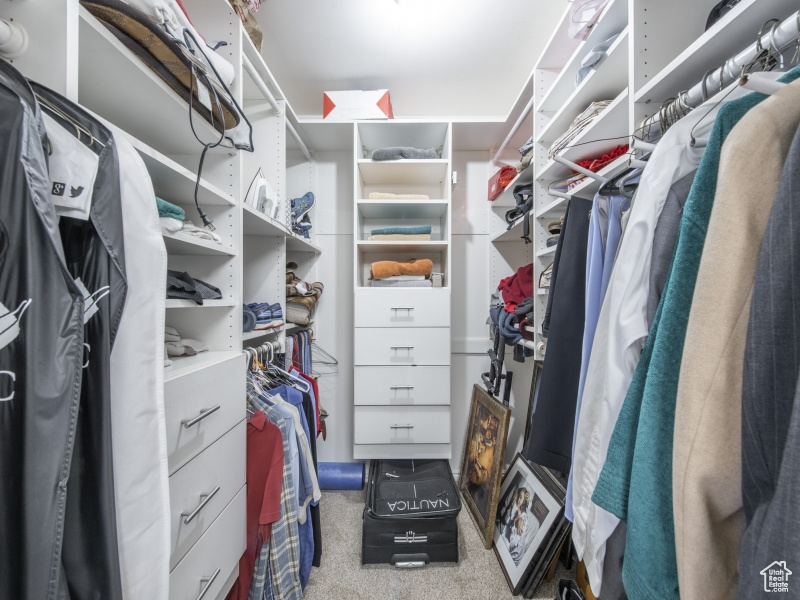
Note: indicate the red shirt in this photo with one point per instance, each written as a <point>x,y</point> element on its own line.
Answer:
<point>264,480</point>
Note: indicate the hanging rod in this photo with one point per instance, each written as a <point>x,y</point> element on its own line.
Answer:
<point>568,163</point>
<point>513,131</point>
<point>303,147</point>
<point>776,38</point>
<point>262,87</point>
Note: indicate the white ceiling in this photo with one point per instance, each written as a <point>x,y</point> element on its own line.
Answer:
<point>438,58</point>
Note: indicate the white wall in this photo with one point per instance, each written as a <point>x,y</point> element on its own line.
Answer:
<point>471,287</point>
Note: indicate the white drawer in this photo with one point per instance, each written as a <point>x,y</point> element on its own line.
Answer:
<point>402,307</point>
<point>218,552</point>
<point>219,470</point>
<point>398,386</point>
<point>402,425</point>
<point>218,388</point>
<point>402,346</point>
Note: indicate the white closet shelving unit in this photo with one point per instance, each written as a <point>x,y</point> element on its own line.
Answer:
<point>76,55</point>
<point>402,335</point>
<point>660,51</point>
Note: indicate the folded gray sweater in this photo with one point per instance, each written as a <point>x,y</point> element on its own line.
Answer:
<point>398,152</point>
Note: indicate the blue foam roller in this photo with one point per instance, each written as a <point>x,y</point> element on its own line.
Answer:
<point>341,476</point>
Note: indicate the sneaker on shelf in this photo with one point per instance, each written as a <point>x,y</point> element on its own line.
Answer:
<point>301,206</point>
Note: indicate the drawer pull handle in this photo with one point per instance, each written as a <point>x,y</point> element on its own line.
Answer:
<point>209,581</point>
<point>402,387</point>
<point>409,426</point>
<point>206,411</point>
<point>402,347</point>
<point>402,308</point>
<point>204,499</point>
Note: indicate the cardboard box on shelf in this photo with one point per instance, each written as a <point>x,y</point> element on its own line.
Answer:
<point>352,105</point>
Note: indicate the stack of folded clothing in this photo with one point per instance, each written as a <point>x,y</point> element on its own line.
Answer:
<point>301,297</point>
<point>581,122</point>
<point>262,315</point>
<point>400,152</point>
<point>389,196</point>
<point>175,345</point>
<point>184,286</point>
<point>401,234</point>
<point>414,273</point>
<point>173,219</point>
<point>554,229</point>
<point>526,154</point>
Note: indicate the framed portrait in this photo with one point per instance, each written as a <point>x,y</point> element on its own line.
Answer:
<point>537,371</point>
<point>483,458</point>
<point>530,516</point>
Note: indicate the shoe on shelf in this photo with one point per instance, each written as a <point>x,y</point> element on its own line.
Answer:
<point>301,206</point>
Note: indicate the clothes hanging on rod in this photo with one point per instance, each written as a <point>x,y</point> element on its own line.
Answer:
<point>640,414</point>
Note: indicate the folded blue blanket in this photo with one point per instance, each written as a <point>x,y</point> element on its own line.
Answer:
<point>402,230</point>
<point>398,152</point>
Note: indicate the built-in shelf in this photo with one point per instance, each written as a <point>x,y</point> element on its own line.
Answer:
<point>506,197</point>
<point>603,83</point>
<point>515,233</point>
<point>731,34</point>
<point>397,171</point>
<point>530,329</point>
<point>542,291</point>
<point>257,223</point>
<point>257,333</point>
<point>612,21</point>
<point>367,246</point>
<point>547,251</point>
<point>527,344</point>
<point>181,303</point>
<point>587,188</point>
<point>116,84</point>
<point>183,365</point>
<point>609,124</point>
<point>173,182</point>
<point>402,209</point>
<point>294,328</point>
<point>295,243</point>
<point>180,243</point>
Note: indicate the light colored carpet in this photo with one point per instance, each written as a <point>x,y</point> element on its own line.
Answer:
<point>477,576</point>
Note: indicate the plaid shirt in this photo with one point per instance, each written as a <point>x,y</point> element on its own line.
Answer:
<point>279,577</point>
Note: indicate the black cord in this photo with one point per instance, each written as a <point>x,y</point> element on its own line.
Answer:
<point>207,222</point>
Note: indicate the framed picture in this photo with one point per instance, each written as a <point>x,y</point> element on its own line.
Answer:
<point>483,458</point>
<point>537,371</point>
<point>530,514</point>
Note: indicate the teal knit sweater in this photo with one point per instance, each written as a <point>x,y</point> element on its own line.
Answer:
<point>636,481</point>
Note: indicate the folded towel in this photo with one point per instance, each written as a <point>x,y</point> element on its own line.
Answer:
<point>170,224</point>
<point>175,349</point>
<point>190,228</point>
<point>402,230</point>
<point>425,283</point>
<point>171,335</point>
<point>388,268</point>
<point>405,278</point>
<point>398,152</point>
<point>167,209</point>
<point>387,196</point>
<point>400,237</point>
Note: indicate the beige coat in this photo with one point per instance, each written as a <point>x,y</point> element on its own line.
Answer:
<point>707,472</point>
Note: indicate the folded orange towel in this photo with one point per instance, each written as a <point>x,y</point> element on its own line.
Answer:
<point>390,268</point>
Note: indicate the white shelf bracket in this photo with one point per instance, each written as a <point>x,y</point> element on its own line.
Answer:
<point>568,163</point>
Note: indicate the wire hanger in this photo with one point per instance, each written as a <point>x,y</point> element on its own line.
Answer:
<point>79,129</point>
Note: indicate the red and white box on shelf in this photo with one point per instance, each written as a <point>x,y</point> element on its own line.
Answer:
<point>354,105</point>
